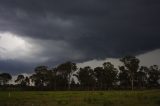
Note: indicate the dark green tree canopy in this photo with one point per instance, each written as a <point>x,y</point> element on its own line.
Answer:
<point>86,77</point>
<point>131,66</point>
<point>4,78</point>
<point>67,76</point>
<point>153,75</point>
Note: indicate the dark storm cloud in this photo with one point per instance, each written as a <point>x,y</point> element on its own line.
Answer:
<point>15,67</point>
<point>96,28</point>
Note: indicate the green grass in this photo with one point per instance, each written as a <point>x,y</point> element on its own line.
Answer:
<point>80,98</point>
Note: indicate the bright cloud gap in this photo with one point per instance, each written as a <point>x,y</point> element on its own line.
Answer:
<point>13,47</point>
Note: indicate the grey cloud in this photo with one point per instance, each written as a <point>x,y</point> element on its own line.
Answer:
<point>16,67</point>
<point>91,29</point>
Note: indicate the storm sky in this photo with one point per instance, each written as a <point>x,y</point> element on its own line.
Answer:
<point>50,32</point>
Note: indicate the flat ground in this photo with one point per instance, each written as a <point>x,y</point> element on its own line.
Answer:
<point>80,98</point>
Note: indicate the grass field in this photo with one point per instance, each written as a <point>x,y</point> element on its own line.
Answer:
<point>80,98</point>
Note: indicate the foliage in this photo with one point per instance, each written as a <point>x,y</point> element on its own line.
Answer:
<point>4,78</point>
<point>131,65</point>
<point>63,77</point>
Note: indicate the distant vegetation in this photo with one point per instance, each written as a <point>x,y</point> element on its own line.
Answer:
<point>128,76</point>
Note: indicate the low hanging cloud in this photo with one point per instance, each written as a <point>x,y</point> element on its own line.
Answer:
<point>147,59</point>
<point>78,30</point>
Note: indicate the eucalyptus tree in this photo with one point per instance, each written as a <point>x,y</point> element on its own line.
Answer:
<point>86,78</point>
<point>100,77</point>
<point>21,80</point>
<point>153,76</point>
<point>123,77</point>
<point>111,74</point>
<point>106,76</point>
<point>27,81</point>
<point>66,71</point>
<point>141,77</point>
<point>40,78</point>
<point>4,78</point>
<point>131,66</point>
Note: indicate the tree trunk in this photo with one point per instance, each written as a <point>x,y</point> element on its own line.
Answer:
<point>69,78</point>
<point>132,82</point>
<point>55,85</point>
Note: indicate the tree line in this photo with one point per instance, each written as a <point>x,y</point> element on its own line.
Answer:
<point>67,76</point>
